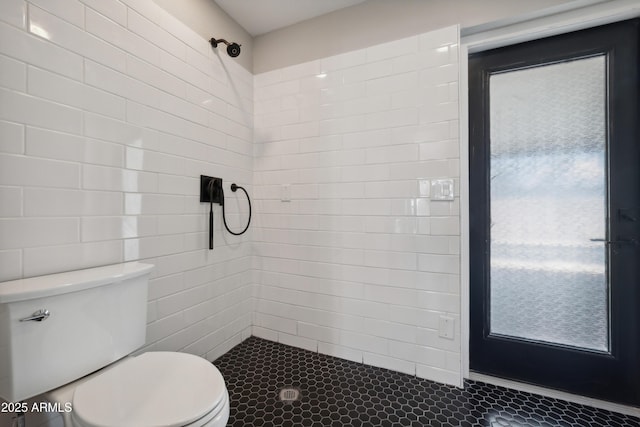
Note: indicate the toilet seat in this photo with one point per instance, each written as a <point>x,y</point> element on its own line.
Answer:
<point>154,389</point>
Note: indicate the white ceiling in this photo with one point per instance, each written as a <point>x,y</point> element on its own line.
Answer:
<point>261,16</point>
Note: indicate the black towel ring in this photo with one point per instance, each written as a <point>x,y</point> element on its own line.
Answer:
<point>234,188</point>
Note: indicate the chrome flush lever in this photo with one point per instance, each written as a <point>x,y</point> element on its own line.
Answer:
<point>38,316</point>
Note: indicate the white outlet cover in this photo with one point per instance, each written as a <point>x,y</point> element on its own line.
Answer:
<point>285,193</point>
<point>446,327</point>
<point>442,189</point>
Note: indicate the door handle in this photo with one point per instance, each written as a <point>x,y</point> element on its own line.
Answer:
<point>632,241</point>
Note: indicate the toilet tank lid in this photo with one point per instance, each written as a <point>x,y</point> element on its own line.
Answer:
<point>71,281</point>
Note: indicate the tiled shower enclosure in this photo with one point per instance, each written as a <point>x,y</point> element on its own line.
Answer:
<point>361,263</point>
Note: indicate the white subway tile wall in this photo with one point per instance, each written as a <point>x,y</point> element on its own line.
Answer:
<point>361,263</point>
<point>109,112</point>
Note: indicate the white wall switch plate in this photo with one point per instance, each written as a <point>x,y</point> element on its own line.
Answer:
<point>442,189</point>
<point>424,187</point>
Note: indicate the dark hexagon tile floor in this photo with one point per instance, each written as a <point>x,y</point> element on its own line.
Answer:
<point>337,392</point>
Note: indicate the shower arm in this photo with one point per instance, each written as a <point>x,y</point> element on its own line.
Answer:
<point>215,42</point>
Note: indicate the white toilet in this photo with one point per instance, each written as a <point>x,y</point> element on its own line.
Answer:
<point>70,335</point>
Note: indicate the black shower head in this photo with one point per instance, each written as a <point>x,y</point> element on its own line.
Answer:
<point>233,49</point>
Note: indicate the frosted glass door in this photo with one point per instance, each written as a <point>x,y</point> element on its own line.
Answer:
<point>548,204</point>
<point>554,212</point>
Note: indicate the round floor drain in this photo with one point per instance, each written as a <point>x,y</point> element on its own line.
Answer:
<point>289,394</point>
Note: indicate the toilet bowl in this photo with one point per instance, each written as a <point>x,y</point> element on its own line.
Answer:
<point>154,389</point>
<point>70,336</point>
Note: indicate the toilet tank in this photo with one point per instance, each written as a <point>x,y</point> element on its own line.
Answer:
<point>96,316</point>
